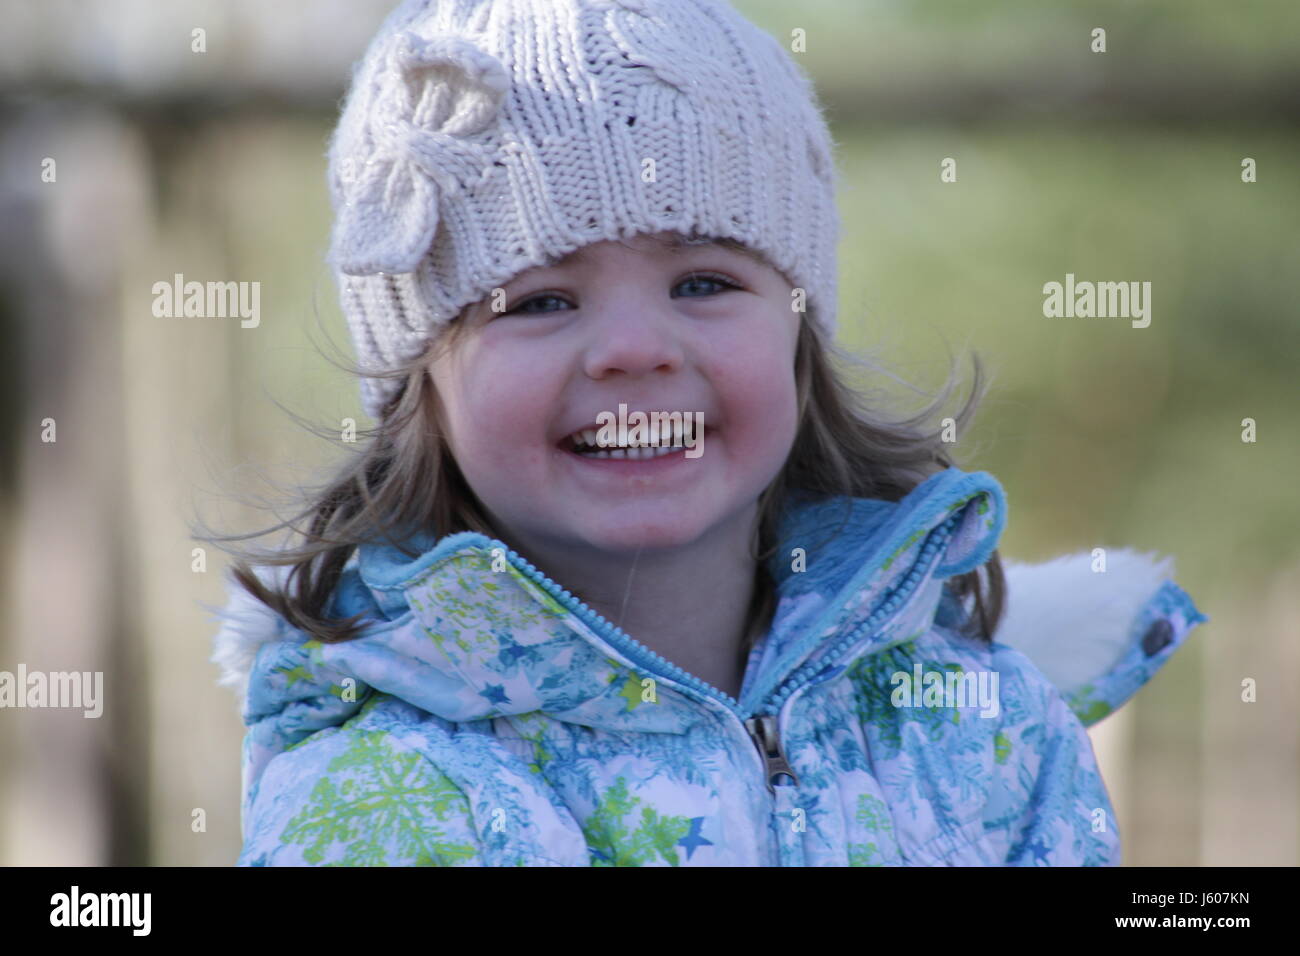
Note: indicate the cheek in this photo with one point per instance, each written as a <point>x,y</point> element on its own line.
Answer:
<point>765,413</point>
<point>756,388</point>
<point>499,424</point>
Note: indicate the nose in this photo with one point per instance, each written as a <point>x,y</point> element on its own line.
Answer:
<point>634,338</point>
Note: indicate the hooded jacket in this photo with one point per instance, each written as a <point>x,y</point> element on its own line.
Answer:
<point>488,717</point>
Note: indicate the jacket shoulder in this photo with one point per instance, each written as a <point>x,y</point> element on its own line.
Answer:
<point>358,795</point>
<point>247,625</point>
<point>1025,695</point>
<point>398,786</point>
<point>1043,798</point>
<point>1047,801</point>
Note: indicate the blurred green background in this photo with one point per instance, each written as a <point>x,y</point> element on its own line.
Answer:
<point>1123,165</point>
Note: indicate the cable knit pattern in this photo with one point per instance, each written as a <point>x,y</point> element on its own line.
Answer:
<point>481,138</point>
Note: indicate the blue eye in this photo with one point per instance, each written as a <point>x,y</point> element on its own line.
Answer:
<point>695,277</point>
<point>708,277</point>
<point>521,307</point>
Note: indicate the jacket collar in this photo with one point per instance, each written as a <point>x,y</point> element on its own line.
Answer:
<point>469,630</point>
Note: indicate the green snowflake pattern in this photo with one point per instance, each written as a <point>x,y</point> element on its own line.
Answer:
<point>605,831</point>
<point>382,797</point>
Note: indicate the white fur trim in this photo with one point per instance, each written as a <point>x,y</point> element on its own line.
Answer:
<point>1072,622</point>
<point>248,624</point>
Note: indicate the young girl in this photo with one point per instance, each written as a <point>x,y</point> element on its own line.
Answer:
<point>625,574</point>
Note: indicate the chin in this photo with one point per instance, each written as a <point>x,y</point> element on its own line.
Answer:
<point>631,538</point>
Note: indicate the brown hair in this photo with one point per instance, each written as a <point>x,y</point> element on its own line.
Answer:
<point>405,478</point>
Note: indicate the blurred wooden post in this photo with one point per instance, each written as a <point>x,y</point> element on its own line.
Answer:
<point>178,386</point>
<point>78,797</point>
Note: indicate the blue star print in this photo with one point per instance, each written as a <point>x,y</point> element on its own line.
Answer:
<point>692,840</point>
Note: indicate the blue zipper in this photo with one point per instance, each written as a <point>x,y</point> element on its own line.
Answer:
<point>763,729</point>
<point>647,659</point>
<point>898,597</point>
<point>630,647</point>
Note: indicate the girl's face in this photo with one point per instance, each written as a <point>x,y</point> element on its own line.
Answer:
<point>648,324</point>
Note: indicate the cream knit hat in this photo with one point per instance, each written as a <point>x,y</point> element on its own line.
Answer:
<point>484,137</point>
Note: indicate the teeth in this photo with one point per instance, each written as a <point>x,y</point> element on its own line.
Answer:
<point>681,432</point>
<point>635,453</point>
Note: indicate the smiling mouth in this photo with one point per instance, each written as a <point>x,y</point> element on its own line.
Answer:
<point>585,444</point>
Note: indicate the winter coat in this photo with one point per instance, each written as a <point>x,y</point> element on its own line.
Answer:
<point>488,717</point>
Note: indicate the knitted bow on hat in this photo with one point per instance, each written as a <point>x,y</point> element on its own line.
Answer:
<point>430,96</point>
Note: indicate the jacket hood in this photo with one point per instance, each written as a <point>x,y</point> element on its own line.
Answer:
<point>469,630</point>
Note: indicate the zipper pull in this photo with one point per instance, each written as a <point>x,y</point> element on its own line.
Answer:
<point>763,730</point>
